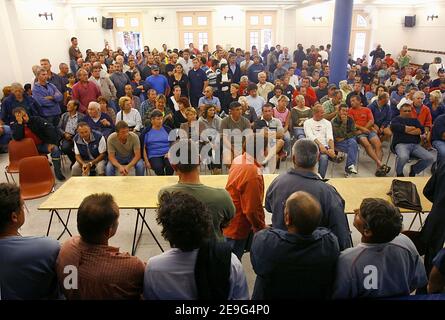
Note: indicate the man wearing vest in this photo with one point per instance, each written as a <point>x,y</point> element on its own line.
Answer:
<point>90,149</point>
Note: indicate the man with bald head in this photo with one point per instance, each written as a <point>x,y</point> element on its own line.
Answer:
<point>304,177</point>
<point>298,263</point>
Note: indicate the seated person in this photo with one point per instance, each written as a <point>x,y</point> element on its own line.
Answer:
<point>28,264</point>
<point>331,105</point>
<point>438,138</point>
<point>299,114</point>
<point>232,129</point>
<point>185,161</point>
<point>344,131</point>
<point>106,108</point>
<point>212,125</point>
<point>129,114</point>
<point>156,140</point>
<point>298,263</point>
<point>167,114</point>
<point>103,272</point>
<point>5,137</point>
<point>67,128</point>
<point>319,130</point>
<point>179,115</point>
<point>124,152</point>
<point>42,133</point>
<point>364,122</point>
<point>381,112</point>
<point>282,113</point>
<point>98,120</point>
<point>423,114</point>
<point>386,263</point>
<point>273,129</point>
<point>436,283</point>
<point>90,149</point>
<point>186,225</point>
<point>406,142</point>
<point>192,129</point>
<point>18,98</point>
<point>248,111</point>
<point>209,98</point>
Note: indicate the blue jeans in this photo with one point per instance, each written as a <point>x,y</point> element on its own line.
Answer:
<point>55,151</point>
<point>237,246</point>
<point>323,163</point>
<point>287,144</point>
<point>440,147</point>
<point>6,136</point>
<point>299,133</point>
<point>110,170</point>
<point>405,151</point>
<point>350,147</point>
<point>74,66</point>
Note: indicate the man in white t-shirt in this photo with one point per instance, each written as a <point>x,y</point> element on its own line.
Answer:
<point>319,130</point>
<point>254,100</point>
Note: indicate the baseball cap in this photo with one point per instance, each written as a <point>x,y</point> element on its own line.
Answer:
<point>155,68</point>
<point>404,101</point>
<point>332,86</point>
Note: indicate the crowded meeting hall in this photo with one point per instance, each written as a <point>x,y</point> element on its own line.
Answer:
<point>282,150</point>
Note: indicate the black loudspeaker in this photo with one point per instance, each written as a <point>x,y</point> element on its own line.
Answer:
<point>107,23</point>
<point>410,21</point>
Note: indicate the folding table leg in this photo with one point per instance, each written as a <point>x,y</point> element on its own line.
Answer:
<point>65,224</point>
<point>133,247</point>
<point>143,223</point>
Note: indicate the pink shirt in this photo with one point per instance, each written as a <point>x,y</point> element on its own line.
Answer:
<point>282,116</point>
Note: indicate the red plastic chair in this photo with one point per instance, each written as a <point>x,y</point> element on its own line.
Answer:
<point>36,178</point>
<point>19,150</point>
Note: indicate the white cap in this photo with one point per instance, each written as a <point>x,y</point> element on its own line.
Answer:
<point>404,101</point>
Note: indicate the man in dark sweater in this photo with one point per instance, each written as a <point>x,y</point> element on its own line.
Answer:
<point>406,142</point>
<point>438,138</point>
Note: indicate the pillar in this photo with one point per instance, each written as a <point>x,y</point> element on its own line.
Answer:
<point>341,36</point>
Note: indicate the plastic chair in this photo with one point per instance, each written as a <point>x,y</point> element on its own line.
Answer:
<point>19,150</point>
<point>36,178</point>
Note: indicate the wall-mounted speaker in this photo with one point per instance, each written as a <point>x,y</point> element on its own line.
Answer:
<point>107,23</point>
<point>410,21</point>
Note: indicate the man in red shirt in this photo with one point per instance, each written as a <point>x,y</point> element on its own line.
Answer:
<point>85,91</point>
<point>245,185</point>
<point>366,136</point>
<point>307,91</point>
<point>422,113</point>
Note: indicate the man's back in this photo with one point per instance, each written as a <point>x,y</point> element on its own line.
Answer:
<point>292,266</point>
<point>27,268</point>
<point>379,270</point>
<point>103,272</point>
<point>171,276</point>
<point>332,204</point>
<point>217,200</point>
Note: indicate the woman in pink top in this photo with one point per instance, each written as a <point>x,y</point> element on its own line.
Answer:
<point>282,113</point>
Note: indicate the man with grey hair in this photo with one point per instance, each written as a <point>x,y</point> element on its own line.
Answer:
<point>264,87</point>
<point>422,113</point>
<point>304,177</point>
<point>120,80</point>
<point>85,91</point>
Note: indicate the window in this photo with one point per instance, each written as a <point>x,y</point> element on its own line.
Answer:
<point>254,39</point>
<point>260,29</point>
<point>202,21</point>
<point>203,38</point>
<point>188,38</point>
<point>120,22</point>
<point>360,44</point>
<point>361,21</point>
<point>187,21</point>
<point>254,20</point>
<point>195,27</point>
<point>127,31</point>
<point>360,35</point>
<point>134,22</point>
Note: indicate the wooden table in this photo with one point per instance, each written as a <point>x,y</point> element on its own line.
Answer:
<point>141,193</point>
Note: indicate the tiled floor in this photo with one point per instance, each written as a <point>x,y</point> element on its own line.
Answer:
<point>37,221</point>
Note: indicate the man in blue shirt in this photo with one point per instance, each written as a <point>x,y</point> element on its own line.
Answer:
<point>382,116</point>
<point>198,81</point>
<point>27,268</point>
<point>255,69</point>
<point>158,81</point>
<point>304,177</point>
<point>406,142</point>
<point>298,263</point>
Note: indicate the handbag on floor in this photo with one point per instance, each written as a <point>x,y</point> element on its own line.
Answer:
<point>404,195</point>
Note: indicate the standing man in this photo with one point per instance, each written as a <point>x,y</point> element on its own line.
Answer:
<point>198,81</point>
<point>120,80</point>
<point>48,97</point>
<point>185,61</point>
<point>285,58</point>
<point>303,177</point>
<point>158,82</point>
<point>185,161</point>
<point>378,53</point>
<point>234,69</point>
<point>85,91</point>
<point>245,185</point>
<point>74,53</point>
<point>255,69</point>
